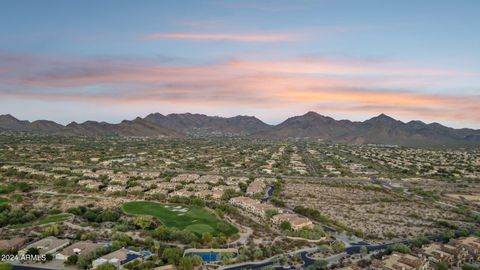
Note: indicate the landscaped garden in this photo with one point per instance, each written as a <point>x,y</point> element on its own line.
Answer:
<point>191,218</point>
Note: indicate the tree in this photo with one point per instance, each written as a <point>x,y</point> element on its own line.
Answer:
<point>364,250</point>
<point>223,227</point>
<point>228,194</point>
<point>48,257</point>
<point>33,251</point>
<point>227,258</point>
<point>338,247</point>
<point>399,247</point>
<point>157,246</point>
<point>71,260</point>
<point>186,263</point>
<point>469,267</point>
<point>143,222</point>
<point>106,266</point>
<point>164,233</point>
<point>441,265</point>
<point>51,230</point>
<point>206,238</point>
<point>197,260</point>
<point>172,255</point>
<point>83,263</point>
<point>448,235</point>
<point>258,253</point>
<point>420,241</point>
<point>132,264</point>
<point>270,213</point>
<point>321,264</point>
<point>285,226</point>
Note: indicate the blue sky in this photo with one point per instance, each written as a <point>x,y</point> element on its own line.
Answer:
<point>111,60</point>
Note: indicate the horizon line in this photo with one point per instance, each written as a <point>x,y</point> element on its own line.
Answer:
<point>239,115</point>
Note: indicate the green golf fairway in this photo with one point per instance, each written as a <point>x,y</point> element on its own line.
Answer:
<point>194,219</point>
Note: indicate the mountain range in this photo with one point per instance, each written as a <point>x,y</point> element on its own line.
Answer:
<point>381,129</point>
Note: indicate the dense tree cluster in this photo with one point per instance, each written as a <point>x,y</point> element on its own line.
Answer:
<point>11,216</point>
<point>97,215</point>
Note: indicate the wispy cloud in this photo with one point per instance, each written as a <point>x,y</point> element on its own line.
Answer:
<point>327,85</point>
<point>223,37</point>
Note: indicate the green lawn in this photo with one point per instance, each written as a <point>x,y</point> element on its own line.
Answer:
<point>49,219</point>
<point>3,201</point>
<point>194,219</point>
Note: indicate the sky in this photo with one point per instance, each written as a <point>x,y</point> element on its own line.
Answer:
<point>113,60</point>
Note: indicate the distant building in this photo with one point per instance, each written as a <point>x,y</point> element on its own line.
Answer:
<point>235,180</point>
<point>471,244</point>
<point>181,193</point>
<point>212,179</point>
<point>253,206</point>
<point>197,187</point>
<point>185,178</point>
<point>452,255</point>
<point>213,194</point>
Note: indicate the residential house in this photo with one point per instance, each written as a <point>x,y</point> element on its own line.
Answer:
<point>400,261</point>
<point>120,258</point>
<point>257,186</point>
<point>297,222</point>
<point>79,249</point>
<point>47,245</point>
<point>12,244</point>
<point>235,180</point>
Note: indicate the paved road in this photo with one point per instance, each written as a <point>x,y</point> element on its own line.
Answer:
<point>29,267</point>
<point>268,261</point>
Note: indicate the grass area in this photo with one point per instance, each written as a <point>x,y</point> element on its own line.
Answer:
<point>3,201</point>
<point>46,220</point>
<point>194,219</point>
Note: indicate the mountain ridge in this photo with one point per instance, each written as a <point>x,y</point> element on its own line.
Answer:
<point>381,129</point>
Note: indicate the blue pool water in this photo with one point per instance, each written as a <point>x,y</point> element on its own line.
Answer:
<point>207,257</point>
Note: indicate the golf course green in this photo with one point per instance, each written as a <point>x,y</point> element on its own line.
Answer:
<point>195,219</point>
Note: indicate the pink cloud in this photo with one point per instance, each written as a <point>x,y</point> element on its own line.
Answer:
<point>325,85</point>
